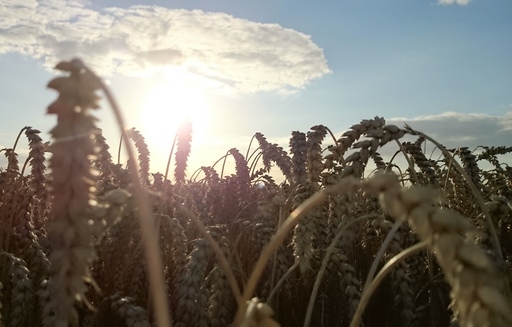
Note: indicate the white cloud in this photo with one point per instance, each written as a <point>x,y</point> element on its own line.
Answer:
<point>451,2</point>
<point>234,53</point>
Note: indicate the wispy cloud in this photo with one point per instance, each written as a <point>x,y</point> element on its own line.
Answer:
<point>451,2</point>
<point>231,53</point>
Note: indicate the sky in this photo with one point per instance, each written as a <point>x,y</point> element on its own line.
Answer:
<point>240,67</point>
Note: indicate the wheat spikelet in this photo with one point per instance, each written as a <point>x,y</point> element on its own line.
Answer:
<point>402,283</point>
<point>12,156</point>
<point>243,179</point>
<point>174,242</point>
<point>192,302</point>
<point>353,134</point>
<point>470,165</point>
<point>70,232</point>
<point>378,161</point>
<point>305,231</point>
<point>456,191</point>
<point>37,163</point>
<point>115,251</point>
<point>10,196</point>
<point>183,147</point>
<point>136,279</point>
<point>142,149</point>
<point>491,155</point>
<point>222,305</point>
<point>26,242</point>
<point>426,166</point>
<point>103,162</point>
<point>350,284</point>
<point>314,153</point>
<point>21,291</point>
<point>272,152</point>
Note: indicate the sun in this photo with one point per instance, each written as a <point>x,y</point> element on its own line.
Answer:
<point>166,107</point>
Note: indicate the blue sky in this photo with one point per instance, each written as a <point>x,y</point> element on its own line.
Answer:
<point>444,67</point>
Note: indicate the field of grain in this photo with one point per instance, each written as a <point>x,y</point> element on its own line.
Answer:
<point>347,238</point>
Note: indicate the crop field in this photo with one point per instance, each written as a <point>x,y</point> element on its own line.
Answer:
<point>329,232</point>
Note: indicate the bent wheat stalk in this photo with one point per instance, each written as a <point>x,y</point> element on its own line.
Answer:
<point>154,261</point>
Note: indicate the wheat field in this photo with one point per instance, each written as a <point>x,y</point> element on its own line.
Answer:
<point>346,239</point>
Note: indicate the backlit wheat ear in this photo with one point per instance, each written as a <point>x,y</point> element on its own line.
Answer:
<point>243,179</point>
<point>183,148</point>
<point>104,161</point>
<point>470,165</point>
<point>143,150</point>
<point>314,153</point>
<point>305,232</point>
<point>272,152</point>
<point>427,167</point>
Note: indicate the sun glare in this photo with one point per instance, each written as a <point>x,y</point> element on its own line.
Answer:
<point>166,107</point>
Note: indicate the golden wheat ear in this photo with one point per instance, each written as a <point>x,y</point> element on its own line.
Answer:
<point>73,184</point>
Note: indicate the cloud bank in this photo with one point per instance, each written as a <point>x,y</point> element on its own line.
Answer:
<point>451,2</point>
<point>231,53</point>
<point>454,129</point>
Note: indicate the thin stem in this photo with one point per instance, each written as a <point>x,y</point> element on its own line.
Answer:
<point>249,147</point>
<point>254,163</point>
<point>18,138</point>
<point>325,261</point>
<point>119,149</point>
<point>154,261</point>
<point>224,165</point>
<point>283,278</point>
<point>332,135</point>
<point>388,267</point>
<point>379,254</point>
<point>170,156</point>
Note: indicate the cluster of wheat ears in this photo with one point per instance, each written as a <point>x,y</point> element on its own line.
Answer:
<point>89,242</point>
